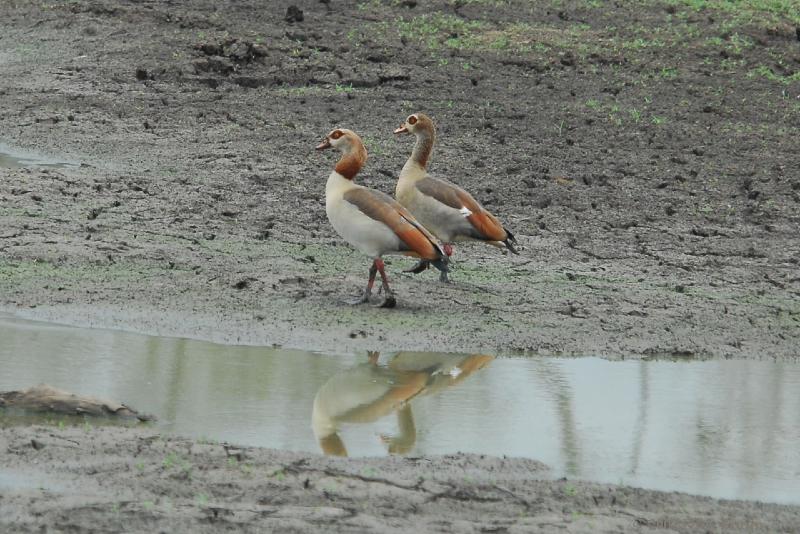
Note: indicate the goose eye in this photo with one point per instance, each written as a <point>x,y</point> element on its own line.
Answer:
<point>412,120</point>
<point>336,134</point>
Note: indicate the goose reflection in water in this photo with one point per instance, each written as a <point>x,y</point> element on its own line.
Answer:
<point>370,391</point>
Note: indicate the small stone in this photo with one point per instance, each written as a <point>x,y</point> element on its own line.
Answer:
<point>293,14</point>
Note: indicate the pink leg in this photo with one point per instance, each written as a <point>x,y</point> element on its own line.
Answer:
<point>390,301</point>
<point>380,265</point>
<point>448,249</point>
<point>367,292</point>
<point>372,272</point>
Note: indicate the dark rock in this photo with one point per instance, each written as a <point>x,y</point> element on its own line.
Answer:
<point>293,14</point>
<point>242,284</point>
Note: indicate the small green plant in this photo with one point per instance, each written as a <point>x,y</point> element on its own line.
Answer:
<point>668,73</point>
<point>368,472</point>
<point>766,72</point>
<point>635,114</point>
<point>740,42</point>
<point>201,499</point>
<point>343,89</point>
<point>373,146</point>
<point>170,460</point>
<point>501,42</point>
<point>657,120</point>
<point>439,29</point>
<point>593,103</point>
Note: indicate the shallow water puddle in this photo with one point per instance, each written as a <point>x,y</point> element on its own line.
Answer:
<point>11,158</point>
<point>722,428</point>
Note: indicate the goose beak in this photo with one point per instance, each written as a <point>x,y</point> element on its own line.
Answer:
<point>401,129</point>
<point>326,143</point>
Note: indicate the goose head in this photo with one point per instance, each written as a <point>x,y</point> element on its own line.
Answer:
<point>354,154</point>
<point>417,123</point>
<point>342,138</point>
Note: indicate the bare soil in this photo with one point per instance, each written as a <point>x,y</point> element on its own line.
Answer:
<point>109,479</point>
<point>644,153</point>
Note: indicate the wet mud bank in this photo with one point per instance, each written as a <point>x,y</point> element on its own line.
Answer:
<point>81,478</point>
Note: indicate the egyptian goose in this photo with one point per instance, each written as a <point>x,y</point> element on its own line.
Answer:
<point>371,221</point>
<point>445,209</point>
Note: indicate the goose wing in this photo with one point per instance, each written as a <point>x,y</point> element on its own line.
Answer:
<point>484,224</point>
<point>383,208</point>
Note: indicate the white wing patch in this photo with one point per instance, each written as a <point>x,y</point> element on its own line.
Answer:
<point>465,212</point>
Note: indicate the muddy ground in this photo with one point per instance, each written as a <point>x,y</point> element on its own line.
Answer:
<point>79,479</point>
<point>644,153</point>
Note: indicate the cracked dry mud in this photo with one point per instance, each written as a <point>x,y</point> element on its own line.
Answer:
<point>644,153</point>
